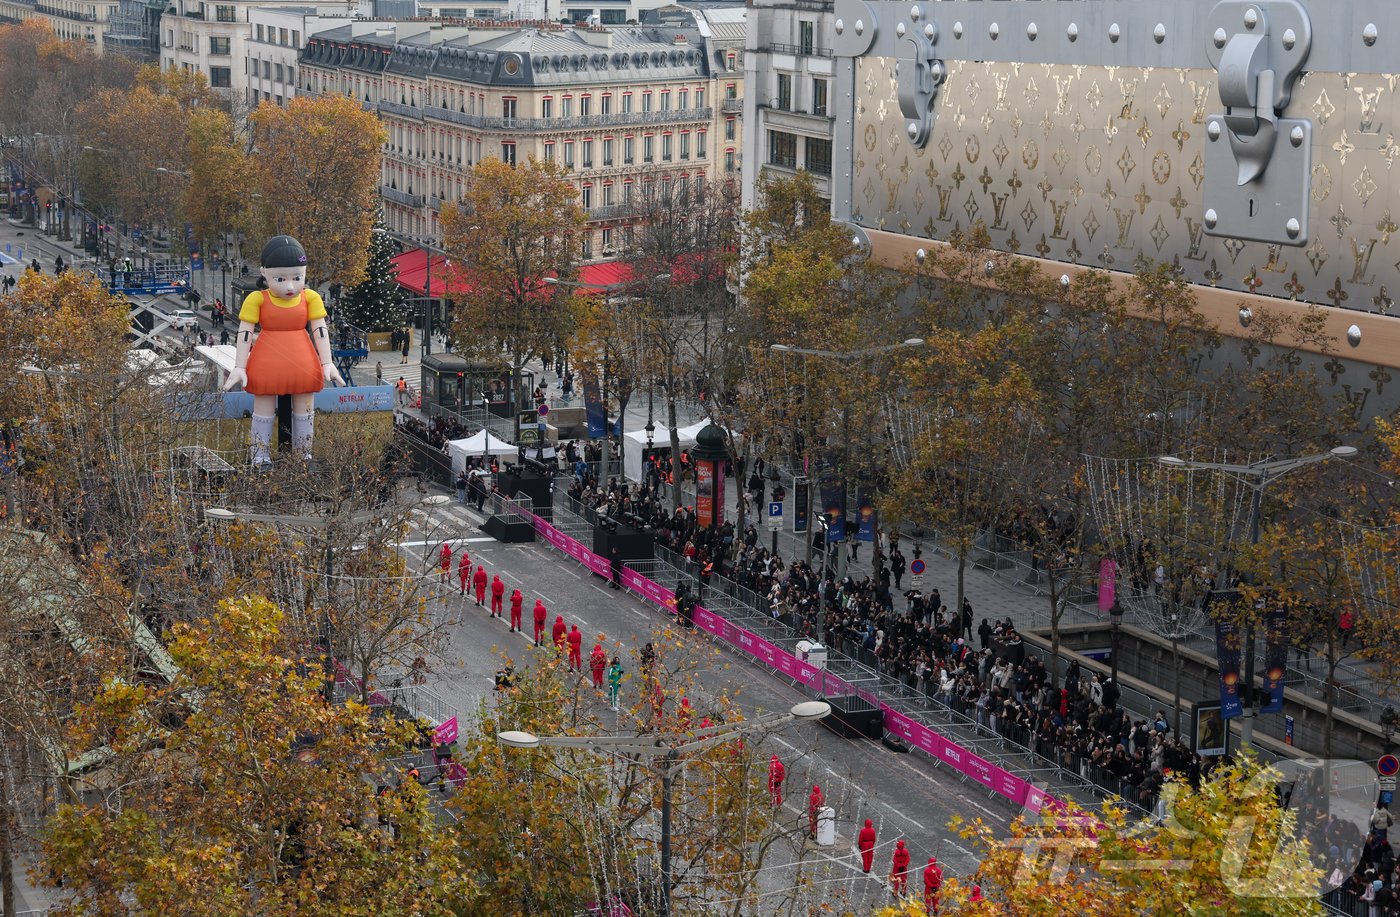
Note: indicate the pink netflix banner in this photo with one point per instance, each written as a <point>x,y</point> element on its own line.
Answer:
<point>999,781</point>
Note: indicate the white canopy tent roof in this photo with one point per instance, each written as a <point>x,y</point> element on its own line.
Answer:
<point>635,443</point>
<point>482,443</point>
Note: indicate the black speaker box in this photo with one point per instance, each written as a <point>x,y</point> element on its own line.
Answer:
<point>509,532</point>
<point>858,723</point>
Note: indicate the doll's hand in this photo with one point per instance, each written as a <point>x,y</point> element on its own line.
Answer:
<point>330,374</point>
<point>236,377</point>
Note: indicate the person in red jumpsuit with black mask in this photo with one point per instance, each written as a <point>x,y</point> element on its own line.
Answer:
<point>814,802</point>
<point>899,869</point>
<point>575,649</point>
<point>933,881</point>
<point>865,843</point>
<point>776,774</point>
<point>445,560</point>
<point>498,592</point>
<point>541,615</point>
<point>516,600</point>
<point>479,580</point>
<point>464,570</point>
<point>597,664</point>
<point>559,632</point>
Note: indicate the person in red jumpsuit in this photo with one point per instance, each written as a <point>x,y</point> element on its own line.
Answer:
<point>575,639</point>
<point>814,802</point>
<point>597,664</point>
<point>464,570</point>
<point>541,615</point>
<point>516,600</point>
<point>865,843</point>
<point>479,580</point>
<point>776,774</point>
<point>498,592</point>
<point>976,896</point>
<point>559,632</point>
<point>899,869</point>
<point>933,881</point>
<point>445,560</point>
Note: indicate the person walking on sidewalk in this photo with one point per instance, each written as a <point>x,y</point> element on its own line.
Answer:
<point>464,569</point>
<point>541,615</point>
<point>516,600</point>
<point>479,580</point>
<point>865,843</point>
<point>406,338</point>
<point>498,591</point>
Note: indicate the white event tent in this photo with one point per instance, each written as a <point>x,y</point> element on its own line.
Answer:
<point>635,443</point>
<point>479,444</point>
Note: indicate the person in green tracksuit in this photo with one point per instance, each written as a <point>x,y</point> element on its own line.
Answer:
<point>614,682</point>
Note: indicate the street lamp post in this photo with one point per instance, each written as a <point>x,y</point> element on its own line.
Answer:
<point>1256,476</point>
<point>664,760</point>
<point>845,357</point>
<point>1115,617</point>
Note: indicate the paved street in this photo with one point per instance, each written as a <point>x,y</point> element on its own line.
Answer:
<point>903,794</point>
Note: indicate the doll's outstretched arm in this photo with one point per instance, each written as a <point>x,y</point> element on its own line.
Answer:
<point>322,340</point>
<point>239,374</point>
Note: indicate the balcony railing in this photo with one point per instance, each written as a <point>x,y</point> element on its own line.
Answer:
<point>610,212</point>
<point>401,197</point>
<point>732,105</point>
<point>63,14</point>
<point>778,47</point>
<point>194,14</point>
<point>402,110</point>
<point>615,119</point>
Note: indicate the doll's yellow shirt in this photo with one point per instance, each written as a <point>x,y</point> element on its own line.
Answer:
<point>251,311</point>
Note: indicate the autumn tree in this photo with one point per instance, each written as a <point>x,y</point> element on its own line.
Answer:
<point>218,192</point>
<point>808,287</point>
<point>236,789</point>
<point>1225,849</point>
<point>316,164</point>
<point>515,231</point>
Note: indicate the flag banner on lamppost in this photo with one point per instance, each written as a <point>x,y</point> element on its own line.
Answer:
<point>833,497</point>
<point>1275,658</point>
<point>1108,583</point>
<point>594,410</point>
<point>1227,651</point>
<point>865,517</point>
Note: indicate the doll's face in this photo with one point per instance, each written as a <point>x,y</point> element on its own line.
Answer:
<point>285,282</point>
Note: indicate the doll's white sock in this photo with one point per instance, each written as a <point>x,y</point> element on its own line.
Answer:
<point>303,430</point>
<point>260,438</point>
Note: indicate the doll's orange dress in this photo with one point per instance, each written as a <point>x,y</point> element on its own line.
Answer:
<point>283,360</point>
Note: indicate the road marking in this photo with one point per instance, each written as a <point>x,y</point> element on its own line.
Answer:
<point>419,544</point>
<point>899,814</point>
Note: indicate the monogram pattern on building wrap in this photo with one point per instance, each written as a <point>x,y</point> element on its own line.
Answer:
<point>1104,166</point>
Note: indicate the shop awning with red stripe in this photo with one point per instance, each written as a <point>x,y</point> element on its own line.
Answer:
<point>411,269</point>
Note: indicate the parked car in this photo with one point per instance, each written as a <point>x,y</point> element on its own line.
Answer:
<point>184,320</point>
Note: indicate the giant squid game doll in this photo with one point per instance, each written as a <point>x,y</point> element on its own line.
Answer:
<point>292,353</point>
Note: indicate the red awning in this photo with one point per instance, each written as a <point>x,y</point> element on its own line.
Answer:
<point>606,274</point>
<point>412,274</point>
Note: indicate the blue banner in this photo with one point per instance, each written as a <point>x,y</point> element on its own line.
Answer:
<point>833,496</point>
<point>865,517</point>
<point>1227,652</point>
<point>348,399</point>
<point>1275,658</point>
<point>594,409</point>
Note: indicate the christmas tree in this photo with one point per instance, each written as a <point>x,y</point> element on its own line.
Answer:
<point>379,303</point>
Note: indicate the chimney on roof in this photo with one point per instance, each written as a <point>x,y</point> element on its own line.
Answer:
<point>597,36</point>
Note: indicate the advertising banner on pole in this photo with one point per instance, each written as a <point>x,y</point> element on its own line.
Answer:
<point>833,497</point>
<point>1227,652</point>
<point>1275,658</point>
<point>801,497</point>
<point>705,494</point>
<point>594,410</point>
<point>865,516</point>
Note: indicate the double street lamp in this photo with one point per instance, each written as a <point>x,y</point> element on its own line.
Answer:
<point>846,356</point>
<point>665,760</point>
<point>322,524</point>
<point>1256,476</point>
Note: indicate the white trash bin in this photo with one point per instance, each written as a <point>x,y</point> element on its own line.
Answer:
<point>826,827</point>
<point>813,654</point>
